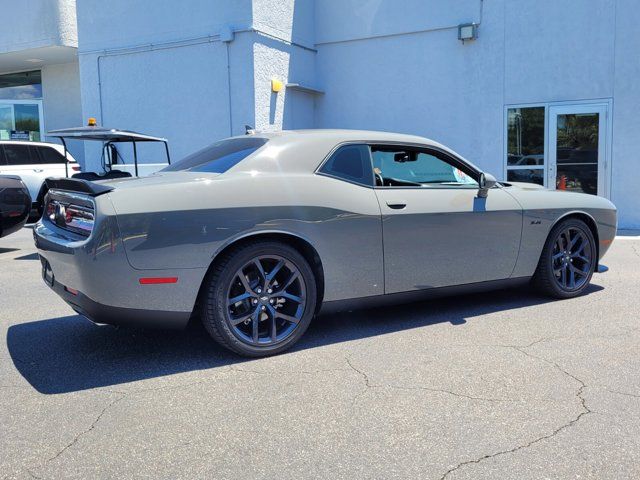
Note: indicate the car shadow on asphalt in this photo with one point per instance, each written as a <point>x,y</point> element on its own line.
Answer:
<point>69,354</point>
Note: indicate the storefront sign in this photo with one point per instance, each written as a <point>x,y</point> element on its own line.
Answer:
<point>19,135</point>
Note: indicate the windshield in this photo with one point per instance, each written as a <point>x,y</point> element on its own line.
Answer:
<point>218,157</point>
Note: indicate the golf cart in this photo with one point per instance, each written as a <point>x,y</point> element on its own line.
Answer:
<point>112,160</point>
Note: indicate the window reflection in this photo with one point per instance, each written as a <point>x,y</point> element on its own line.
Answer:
<point>529,176</point>
<point>577,152</point>
<point>21,86</point>
<point>20,105</point>
<point>525,145</point>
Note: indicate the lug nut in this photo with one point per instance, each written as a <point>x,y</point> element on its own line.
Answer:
<point>271,301</point>
<point>259,290</point>
<point>263,307</point>
<point>254,301</point>
<point>270,291</point>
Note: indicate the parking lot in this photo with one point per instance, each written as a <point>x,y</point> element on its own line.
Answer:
<point>499,385</point>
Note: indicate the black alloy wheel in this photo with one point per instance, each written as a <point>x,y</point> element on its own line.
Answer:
<point>260,298</point>
<point>266,300</point>
<point>568,260</point>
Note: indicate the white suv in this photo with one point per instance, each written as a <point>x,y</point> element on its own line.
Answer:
<point>33,162</point>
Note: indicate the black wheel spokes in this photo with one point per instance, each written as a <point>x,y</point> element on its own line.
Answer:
<point>266,300</point>
<point>572,259</point>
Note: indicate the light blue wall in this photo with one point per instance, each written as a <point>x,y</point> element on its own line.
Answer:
<point>426,83</point>
<point>61,106</point>
<point>340,20</point>
<point>401,68</point>
<point>558,51</point>
<point>124,23</point>
<point>164,70</point>
<point>626,114</point>
<point>167,71</point>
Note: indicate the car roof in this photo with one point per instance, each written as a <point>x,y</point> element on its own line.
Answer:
<point>29,142</point>
<point>342,135</point>
<point>304,150</point>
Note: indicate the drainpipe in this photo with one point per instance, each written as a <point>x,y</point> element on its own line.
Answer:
<point>226,36</point>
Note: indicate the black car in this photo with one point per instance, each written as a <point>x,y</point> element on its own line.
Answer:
<point>15,204</point>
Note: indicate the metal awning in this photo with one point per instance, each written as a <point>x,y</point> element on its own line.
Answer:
<point>103,134</point>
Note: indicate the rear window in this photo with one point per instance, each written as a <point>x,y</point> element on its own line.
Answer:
<point>351,163</point>
<point>219,157</point>
<point>49,155</point>
<point>20,155</point>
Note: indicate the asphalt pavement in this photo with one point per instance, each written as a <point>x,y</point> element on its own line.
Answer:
<point>501,385</point>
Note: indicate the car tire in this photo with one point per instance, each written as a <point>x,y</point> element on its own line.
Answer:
<point>217,315</point>
<point>561,260</point>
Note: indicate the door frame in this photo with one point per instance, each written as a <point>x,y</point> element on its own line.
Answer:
<point>606,134</point>
<point>603,161</point>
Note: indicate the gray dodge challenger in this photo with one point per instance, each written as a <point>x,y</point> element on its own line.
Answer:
<point>255,235</point>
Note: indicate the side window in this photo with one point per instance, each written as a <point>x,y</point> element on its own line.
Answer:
<point>402,167</point>
<point>50,155</point>
<point>351,163</point>
<point>20,155</point>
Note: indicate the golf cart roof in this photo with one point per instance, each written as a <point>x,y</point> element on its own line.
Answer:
<point>103,134</point>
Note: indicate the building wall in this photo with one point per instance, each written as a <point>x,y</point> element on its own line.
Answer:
<point>61,105</point>
<point>404,70</point>
<point>123,23</point>
<point>626,120</point>
<point>284,35</point>
<point>166,72</point>
<point>172,74</point>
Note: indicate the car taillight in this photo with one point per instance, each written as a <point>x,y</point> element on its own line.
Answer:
<point>75,218</point>
<point>75,168</point>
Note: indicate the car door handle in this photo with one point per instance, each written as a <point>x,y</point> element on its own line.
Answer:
<point>38,170</point>
<point>396,205</point>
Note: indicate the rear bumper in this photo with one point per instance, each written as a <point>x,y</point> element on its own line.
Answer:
<point>106,314</point>
<point>92,274</point>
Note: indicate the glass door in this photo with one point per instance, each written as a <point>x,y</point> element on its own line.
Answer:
<point>577,149</point>
<point>6,120</point>
<point>21,120</point>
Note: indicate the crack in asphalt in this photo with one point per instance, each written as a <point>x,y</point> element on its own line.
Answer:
<point>365,378</point>
<point>31,474</point>
<point>87,430</point>
<point>626,394</point>
<point>579,394</point>
<point>369,385</point>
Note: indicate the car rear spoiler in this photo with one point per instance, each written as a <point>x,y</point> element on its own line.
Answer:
<point>77,185</point>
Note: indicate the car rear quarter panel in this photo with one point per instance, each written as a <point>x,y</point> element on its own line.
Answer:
<point>98,267</point>
<point>186,224</point>
<point>542,209</point>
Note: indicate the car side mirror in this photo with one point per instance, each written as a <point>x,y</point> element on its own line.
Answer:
<point>485,182</point>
